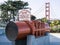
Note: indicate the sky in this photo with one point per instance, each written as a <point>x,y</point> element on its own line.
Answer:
<point>38,8</point>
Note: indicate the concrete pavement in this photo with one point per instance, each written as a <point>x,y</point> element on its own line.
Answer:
<point>51,39</point>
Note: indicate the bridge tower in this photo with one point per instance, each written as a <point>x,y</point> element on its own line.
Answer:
<point>47,10</point>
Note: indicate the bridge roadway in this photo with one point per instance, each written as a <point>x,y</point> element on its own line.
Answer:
<point>50,39</point>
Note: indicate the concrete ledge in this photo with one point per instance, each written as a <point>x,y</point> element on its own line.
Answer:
<point>44,40</point>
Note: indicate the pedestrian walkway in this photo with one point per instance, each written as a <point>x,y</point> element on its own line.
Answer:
<point>54,38</point>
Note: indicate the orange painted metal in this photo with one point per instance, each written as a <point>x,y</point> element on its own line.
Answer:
<point>25,28</point>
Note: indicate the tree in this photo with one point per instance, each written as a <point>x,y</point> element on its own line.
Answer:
<point>55,25</point>
<point>44,20</point>
<point>18,5</point>
<point>12,6</point>
<point>56,22</point>
<point>4,14</point>
<point>33,17</point>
